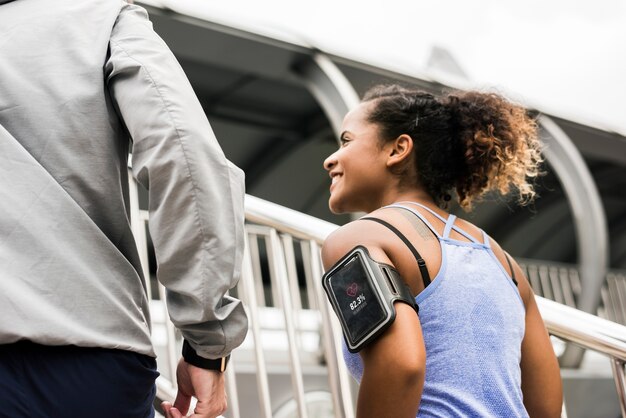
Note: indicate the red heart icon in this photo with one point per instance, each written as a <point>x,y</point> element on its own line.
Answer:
<point>352,289</point>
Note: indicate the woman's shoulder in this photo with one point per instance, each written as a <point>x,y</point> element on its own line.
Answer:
<point>348,236</point>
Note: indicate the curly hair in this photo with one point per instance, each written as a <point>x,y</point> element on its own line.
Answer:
<point>470,143</point>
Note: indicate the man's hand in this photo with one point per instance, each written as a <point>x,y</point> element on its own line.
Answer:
<point>206,385</point>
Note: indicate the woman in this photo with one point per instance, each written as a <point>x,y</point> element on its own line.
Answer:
<point>479,347</point>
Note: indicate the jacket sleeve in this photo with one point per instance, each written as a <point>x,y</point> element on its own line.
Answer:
<point>195,194</point>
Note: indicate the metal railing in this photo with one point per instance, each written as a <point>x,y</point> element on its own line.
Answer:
<point>285,245</point>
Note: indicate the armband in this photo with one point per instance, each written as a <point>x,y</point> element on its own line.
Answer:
<point>362,293</point>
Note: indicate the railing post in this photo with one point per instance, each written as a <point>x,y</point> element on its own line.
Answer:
<point>292,274</point>
<point>247,278</point>
<point>255,269</point>
<point>277,264</point>
<point>138,222</point>
<point>170,332</point>
<point>309,276</point>
<point>337,375</point>
<point>620,382</point>
<point>233,398</point>
<point>276,269</point>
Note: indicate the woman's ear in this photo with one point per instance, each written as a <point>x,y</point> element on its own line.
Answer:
<point>400,150</point>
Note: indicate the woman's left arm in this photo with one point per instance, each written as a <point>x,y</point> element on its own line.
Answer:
<point>394,363</point>
<point>394,369</point>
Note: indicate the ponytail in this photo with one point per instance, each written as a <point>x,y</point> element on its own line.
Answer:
<point>501,149</point>
<point>466,143</point>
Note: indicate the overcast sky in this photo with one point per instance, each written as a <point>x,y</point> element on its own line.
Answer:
<point>564,57</point>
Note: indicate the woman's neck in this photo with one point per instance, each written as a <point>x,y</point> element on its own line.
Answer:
<point>416,195</point>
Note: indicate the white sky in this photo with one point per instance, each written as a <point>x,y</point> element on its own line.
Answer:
<point>566,58</point>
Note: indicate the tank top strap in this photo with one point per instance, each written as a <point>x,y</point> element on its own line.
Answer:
<point>449,225</point>
<point>486,239</point>
<point>419,215</point>
<point>462,232</point>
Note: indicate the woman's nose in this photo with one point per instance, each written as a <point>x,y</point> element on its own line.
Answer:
<point>330,162</point>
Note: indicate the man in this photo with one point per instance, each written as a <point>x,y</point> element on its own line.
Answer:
<point>78,79</point>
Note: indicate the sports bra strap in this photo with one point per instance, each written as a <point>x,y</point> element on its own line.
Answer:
<point>508,260</point>
<point>420,261</point>
<point>435,214</point>
<point>419,216</point>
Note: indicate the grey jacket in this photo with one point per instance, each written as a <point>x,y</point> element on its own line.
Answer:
<point>77,80</point>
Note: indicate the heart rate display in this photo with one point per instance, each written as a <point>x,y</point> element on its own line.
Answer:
<point>356,298</point>
<point>357,302</point>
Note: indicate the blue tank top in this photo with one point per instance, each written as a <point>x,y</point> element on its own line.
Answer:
<point>472,320</point>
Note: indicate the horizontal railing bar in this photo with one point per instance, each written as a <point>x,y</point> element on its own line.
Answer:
<point>581,326</point>
<point>584,329</point>
<point>287,220</point>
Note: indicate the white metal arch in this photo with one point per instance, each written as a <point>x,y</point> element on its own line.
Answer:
<point>587,210</point>
<point>588,215</point>
<point>329,86</point>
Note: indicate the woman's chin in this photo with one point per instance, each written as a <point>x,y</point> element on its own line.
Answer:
<point>335,206</point>
<point>335,210</point>
<point>339,208</point>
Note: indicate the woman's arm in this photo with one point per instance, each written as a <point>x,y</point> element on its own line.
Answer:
<point>394,369</point>
<point>394,364</point>
<point>541,377</point>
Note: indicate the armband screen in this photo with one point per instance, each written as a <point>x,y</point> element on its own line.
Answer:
<point>360,307</point>
<point>362,293</point>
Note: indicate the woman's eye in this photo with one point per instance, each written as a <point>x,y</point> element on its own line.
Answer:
<point>343,141</point>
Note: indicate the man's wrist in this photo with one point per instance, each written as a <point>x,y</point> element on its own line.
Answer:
<point>191,357</point>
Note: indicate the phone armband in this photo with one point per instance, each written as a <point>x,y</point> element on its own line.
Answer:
<point>362,293</point>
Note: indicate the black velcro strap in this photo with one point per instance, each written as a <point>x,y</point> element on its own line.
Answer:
<point>420,261</point>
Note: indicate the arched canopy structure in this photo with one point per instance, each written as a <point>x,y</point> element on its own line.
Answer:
<point>277,106</point>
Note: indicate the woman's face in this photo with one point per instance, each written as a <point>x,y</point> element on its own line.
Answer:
<point>358,168</point>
